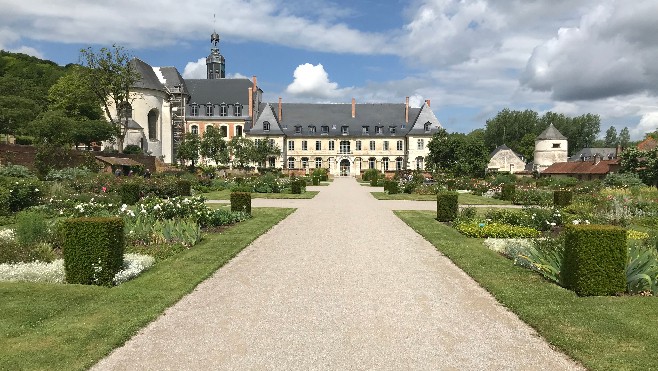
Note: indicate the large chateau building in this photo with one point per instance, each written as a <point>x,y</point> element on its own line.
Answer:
<point>344,138</point>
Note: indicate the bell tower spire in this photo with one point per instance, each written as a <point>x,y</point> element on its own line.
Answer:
<point>215,63</point>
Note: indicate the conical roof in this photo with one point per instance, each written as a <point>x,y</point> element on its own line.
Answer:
<point>551,133</point>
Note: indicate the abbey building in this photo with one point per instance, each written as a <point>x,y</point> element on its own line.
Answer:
<point>344,138</point>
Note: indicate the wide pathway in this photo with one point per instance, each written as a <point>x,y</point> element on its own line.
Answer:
<point>341,284</point>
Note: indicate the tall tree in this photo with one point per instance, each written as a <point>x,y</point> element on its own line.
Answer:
<point>643,163</point>
<point>241,150</point>
<point>624,137</point>
<point>263,149</point>
<point>188,149</point>
<point>213,146</point>
<point>53,128</point>
<point>510,127</point>
<point>458,154</point>
<point>611,139</point>
<point>111,76</point>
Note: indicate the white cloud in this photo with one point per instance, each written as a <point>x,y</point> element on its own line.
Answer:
<point>8,40</point>
<point>313,82</point>
<point>236,75</point>
<point>195,70</point>
<point>648,123</point>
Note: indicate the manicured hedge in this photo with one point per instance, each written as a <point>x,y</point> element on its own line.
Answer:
<point>316,180</point>
<point>184,187</point>
<point>93,250</point>
<point>562,198</point>
<point>595,259</point>
<point>375,181</point>
<point>393,187</point>
<point>297,186</point>
<point>241,201</point>
<point>507,191</point>
<point>447,206</point>
<point>130,192</point>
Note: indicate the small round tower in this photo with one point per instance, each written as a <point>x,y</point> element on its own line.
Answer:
<point>550,147</point>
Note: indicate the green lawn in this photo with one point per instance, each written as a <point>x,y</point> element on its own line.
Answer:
<point>603,333</point>
<point>226,195</point>
<point>464,198</point>
<point>71,327</point>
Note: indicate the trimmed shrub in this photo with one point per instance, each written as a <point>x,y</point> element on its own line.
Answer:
<point>375,181</point>
<point>393,187</point>
<point>447,206</point>
<point>31,228</point>
<point>241,201</point>
<point>507,191</point>
<point>562,198</point>
<point>184,187</point>
<point>533,196</point>
<point>93,250</point>
<point>316,180</point>
<point>130,192</point>
<point>595,259</point>
<point>369,174</point>
<point>296,186</point>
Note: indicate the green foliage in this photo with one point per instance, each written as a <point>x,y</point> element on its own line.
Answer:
<point>14,252</point>
<point>393,187</point>
<point>93,250</point>
<point>507,191</point>
<point>184,187</point>
<point>562,198</point>
<point>297,185</point>
<point>133,149</point>
<point>50,156</point>
<point>316,180</point>
<point>642,269</point>
<point>622,180</point>
<point>69,173</point>
<point>375,180</point>
<point>595,259</point>
<point>19,193</point>
<point>145,230</point>
<point>31,228</point>
<point>466,215</point>
<point>15,171</point>
<point>322,173</point>
<point>533,196</point>
<point>130,192</point>
<point>213,146</point>
<point>241,201</point>
<point>188,149</point>
<point>457,153</point>
<point>447,206</point>
<point>268,183</point>
<point>369,174</point>
<point>546,257</point>
<point>495,230</point>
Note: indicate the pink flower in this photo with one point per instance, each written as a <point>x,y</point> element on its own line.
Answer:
<point>104,189</point>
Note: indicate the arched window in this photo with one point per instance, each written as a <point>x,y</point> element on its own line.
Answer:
<point>291,162</point>
<point>153,124</point>
<point>398,163</point>
<point>266,126</point>
<point>419,163</point>
<point>385,164</point>
<point>371,163</point>
<point>194,130</point>
<point>304,162</point>
<point>125,110</point>
<point>428,126</point>
<point>344,146</point>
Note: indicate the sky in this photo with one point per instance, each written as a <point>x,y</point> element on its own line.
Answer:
<point>470,58</point>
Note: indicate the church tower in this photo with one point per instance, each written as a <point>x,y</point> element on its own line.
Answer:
<point>215,63</point>
<point>550,147</point>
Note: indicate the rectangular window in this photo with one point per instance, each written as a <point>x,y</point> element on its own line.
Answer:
<point>344,130</point>
<point>556,145</point>
<point>298,129</point>
<point>271,142</point>
<point>331,145</point>
<point>386,145</point>
<point>325,129</point>
<point>223,130</point>
<point>291,163</point>
<point>421,144</point>
<point>400,145</point>
<point>358,145</point>
<point>304,145</point>
<point>379,129</point>
<point>208,110</point>
<point>364,130</point>
<point>391,129</point>
<point>223,110</point>
<point>318,145</point>
<point>311,129</point>
<point>372,145</point>
<point>237,110</point>
<point>304,162</point>
<point>195,110</point>
<point>291,145</point>
<point>272,161</point>
<point>318,162</point>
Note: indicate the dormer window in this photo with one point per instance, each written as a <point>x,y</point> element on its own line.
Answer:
<point>379,129</point>
<point>223,110</point>
<point>209,109</point>
<point>364,130</point>
<point>237,109</point>
<point>391,129</point>
<point>266,126</point>
<point>344,130</point>
<point>427,126</point>
<point>194,109</point>
<point>298,129</point>
<point>325,129</point>
<point>311,129</point>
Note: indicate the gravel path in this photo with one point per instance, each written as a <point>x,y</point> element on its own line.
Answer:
<point>341,284</point>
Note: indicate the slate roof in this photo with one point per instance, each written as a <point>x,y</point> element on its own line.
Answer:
<point>551,133</point>
<point>337,116</point>
<point>580,167</point>
<point>586,153</point>
<point>217,91</point>
<point>149,80</point>
<point>501,148</point>
<point>172,78</point>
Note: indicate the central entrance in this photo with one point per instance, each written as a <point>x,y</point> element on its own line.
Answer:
<point>344,167</point>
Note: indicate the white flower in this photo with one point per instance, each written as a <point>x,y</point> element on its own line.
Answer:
<point>552,224</point>
<point>576,221</point>
<point>36,190</point>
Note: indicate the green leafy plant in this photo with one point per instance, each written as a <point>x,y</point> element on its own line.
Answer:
<point>641,269</point>
<point>495,230</point>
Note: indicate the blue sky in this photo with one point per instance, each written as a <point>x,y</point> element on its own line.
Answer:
<point>471,58</point>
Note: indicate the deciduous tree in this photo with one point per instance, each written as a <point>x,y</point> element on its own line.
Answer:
<point>213,146</point>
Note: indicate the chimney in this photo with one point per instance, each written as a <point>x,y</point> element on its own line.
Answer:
<point>353,108</point>
<point>280,112</point>
<point>406,111</point>
<point>427,101</point>
<point>251,105</point>
<point>255,85</point>
<point>597,158</point>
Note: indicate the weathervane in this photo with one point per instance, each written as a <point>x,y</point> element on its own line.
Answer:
<point>214,38</point>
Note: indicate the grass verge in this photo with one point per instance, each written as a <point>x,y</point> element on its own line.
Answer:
<point>603,333</point>
<point>71,327</point>
<point>464,198</point>
<point>226,195</point>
